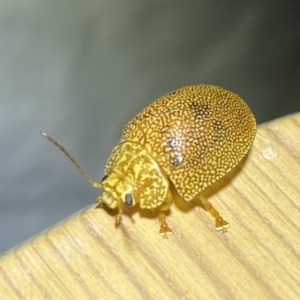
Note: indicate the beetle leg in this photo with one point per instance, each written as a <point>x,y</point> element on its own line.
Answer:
<point>165,230</point>
<point>221,224</point>
<point>99,199</point>
<point>118,217</point>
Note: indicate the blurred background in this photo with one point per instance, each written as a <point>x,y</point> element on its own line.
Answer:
<point>79,70</point>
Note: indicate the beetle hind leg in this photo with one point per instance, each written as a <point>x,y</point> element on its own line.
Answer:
<point>221,224</point>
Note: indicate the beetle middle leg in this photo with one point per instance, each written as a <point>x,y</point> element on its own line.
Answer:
<point>165,230</point>
<point>221,224</point>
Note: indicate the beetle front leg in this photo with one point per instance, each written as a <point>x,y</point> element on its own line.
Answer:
<point>118,217</point>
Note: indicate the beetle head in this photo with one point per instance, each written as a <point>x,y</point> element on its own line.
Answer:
<point>118,191</point>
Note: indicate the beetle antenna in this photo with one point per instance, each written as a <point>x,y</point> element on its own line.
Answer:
<point>72,159</point>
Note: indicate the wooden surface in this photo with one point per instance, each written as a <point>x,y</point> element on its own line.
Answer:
<point>86,257</point>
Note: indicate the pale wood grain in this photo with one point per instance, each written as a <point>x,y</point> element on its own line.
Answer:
<point>86,257</point>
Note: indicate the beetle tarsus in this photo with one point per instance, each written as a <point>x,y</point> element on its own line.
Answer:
<point>221,224</point>
<point>164,230</point>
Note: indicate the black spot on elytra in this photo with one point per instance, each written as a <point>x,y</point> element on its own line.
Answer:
<point>175,155</point>
<point>200,111</point>
<point>220,131</point>
<point>218,126</point>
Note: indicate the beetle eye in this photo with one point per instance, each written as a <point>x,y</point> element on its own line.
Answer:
<point>104,178</point>
<point>128,200</point>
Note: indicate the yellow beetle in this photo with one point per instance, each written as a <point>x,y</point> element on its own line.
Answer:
<point>189,138</point>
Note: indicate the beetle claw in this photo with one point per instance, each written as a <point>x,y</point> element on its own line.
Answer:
<point>221,224</point>
<point>165,230</point>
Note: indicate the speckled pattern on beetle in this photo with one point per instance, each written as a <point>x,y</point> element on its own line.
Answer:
<point>189,138</point>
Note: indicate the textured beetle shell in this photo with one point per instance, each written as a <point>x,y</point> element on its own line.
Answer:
<point>196,134</point>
